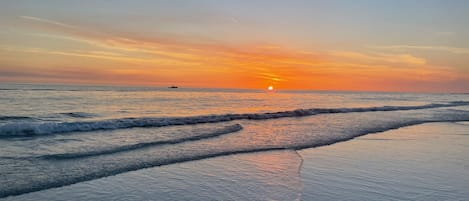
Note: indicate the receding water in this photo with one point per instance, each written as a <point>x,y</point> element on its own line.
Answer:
<point>54,136</point>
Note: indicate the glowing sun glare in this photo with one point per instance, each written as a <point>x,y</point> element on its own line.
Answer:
<point>270,88</point>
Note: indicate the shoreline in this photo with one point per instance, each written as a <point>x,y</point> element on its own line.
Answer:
<point>225,172</point>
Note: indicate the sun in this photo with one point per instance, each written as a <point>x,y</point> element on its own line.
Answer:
<point>270,88</point>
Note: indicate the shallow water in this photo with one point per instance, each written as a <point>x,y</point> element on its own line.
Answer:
<point>265,176</point>
<point>47,142</point>
<point>423,162</point>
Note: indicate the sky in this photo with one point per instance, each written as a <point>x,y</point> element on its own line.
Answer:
<point>360,45</point>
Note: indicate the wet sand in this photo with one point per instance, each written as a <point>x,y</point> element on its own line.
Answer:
<point>423,162</point>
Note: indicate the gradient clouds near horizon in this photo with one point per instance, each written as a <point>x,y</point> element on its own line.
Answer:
<point>402,45</point>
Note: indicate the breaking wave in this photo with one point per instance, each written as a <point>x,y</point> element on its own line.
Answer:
<point>75,167</point>
<point>121,168</point>
<point>78,114</point>
<point>44,128</point>
<point>207,134</point>
<point>4,118</point>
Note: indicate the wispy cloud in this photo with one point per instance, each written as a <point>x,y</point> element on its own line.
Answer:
<point>242,54</point>
<point>380,57</point>
<point>454,50</point>
<point>42,20</point>
<point>201,58</point>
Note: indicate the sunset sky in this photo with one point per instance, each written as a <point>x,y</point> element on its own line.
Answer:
<point>369,45</point>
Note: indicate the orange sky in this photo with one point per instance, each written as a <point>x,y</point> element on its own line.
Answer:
<point>39,49</point>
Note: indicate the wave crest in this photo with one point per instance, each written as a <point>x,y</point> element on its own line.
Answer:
<point>31,129</point>
<point>207,134</point>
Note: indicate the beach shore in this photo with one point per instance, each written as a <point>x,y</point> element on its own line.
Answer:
<point>422,162</point>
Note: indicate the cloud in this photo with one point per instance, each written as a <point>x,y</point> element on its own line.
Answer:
<point>37,19</point>
<point>196,59</point>
<point>453,50</point>
<point>379,57</point>
<point>213,52</point>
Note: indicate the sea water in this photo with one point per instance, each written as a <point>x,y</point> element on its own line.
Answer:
<point>53,136</point>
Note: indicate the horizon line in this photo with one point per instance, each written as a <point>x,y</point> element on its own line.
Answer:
<point>227,88</point>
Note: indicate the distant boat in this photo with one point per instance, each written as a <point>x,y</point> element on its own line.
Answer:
<point>173,87</point>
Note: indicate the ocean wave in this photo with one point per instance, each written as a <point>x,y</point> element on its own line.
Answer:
<point>206,134</point>
<point>3,118</point>
<point>78,114</point>
<point>147,160</point>
<point>44,128</point>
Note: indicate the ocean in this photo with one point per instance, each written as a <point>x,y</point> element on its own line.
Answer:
<point>53,136</point>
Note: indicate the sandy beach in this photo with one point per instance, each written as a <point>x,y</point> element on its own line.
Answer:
<point>422,162</point>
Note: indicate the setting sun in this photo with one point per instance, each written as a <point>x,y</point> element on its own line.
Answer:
<point>270,88</point>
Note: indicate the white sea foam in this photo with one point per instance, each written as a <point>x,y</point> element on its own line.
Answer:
<point>210,133</point>
<point>44,128</point>
<point>44,160</point>
<point>80,167</point>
